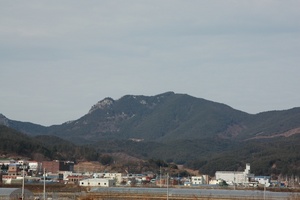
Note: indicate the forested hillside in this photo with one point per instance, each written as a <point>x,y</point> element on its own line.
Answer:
<point>14,143</point>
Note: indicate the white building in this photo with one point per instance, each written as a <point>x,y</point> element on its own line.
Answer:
<point>97,182</point>
<point>115,176</point>
<point>235,177</point>
<point>33,165</point>
<point>7,161</point>
<point>66,174</point>
<point>199,180</point>
<point>263,180</point>
<point>215,182</point>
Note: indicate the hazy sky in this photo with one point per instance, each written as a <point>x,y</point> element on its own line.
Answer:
<point>58,58</point>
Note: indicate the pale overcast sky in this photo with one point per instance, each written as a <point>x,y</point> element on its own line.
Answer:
<point>58,58</point>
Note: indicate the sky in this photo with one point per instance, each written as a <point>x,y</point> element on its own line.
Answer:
<point>58,58</point>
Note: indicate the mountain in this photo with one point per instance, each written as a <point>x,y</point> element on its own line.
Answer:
<point>183,129</point>
<point>163,118</point>
<point>158,118</point>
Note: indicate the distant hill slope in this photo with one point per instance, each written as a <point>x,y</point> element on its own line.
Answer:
<point>24,127</point>
<point>272,123</point>
<point>14,143</point>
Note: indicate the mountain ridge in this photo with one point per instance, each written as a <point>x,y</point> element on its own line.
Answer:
<point>162,117</point>
<point>183,129</point>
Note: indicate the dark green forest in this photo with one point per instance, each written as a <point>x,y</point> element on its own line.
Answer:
<point>14,143</point>
<point>267,157</point>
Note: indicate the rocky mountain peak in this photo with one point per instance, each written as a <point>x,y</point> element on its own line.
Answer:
<point>3,120</point>
<point>103,104</point>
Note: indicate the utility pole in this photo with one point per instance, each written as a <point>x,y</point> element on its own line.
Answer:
<point>234,180</point>
<point>168,186</point>
<point>44,184</point>
<point>160,176</point>
<point>23,182</point>
<point>265,188</point>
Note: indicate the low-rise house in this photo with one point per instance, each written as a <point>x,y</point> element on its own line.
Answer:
<point>97,182</point>
<point>116,176</point>
<point>215,181</point>
<point>199,180</point>
<point>74,179</point>
<point>14,171</point>
<point>22,162</point>
<point>67,174</point>
<point>33,166</point>
<point>263,180</point>
<point>6,161</point>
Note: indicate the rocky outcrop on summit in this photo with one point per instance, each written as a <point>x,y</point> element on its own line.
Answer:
<point>105,103</point>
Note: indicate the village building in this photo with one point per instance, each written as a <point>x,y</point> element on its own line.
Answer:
<point>235,177</point>
<point>14,174</point>
<point>263,180</point>
<point>74,179</point>
<point>115,176</point>
<point>33,166</point>
<point>199,180</point>
<point>13,170</point>
<point>6,161</point>
<point>56,166</point>
<point>97,182</point>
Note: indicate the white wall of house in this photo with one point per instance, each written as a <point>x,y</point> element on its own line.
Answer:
<point>97,182</point>
<point>6,161</point>
<point>233,177</point>
<point>264,180</point>
<point>69,173</point>
<point>199,180</point>
<point>33,166</point>
<point>116,176</point>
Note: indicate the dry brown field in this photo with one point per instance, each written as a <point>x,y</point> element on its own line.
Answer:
<point>74,192</point>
